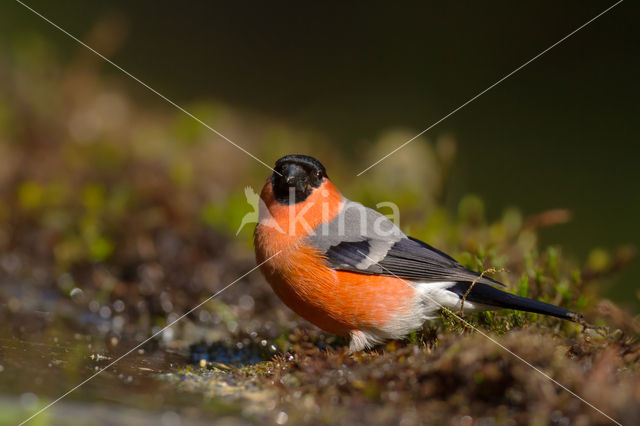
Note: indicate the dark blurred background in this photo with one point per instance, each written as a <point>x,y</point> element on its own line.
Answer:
<point>561,133</point>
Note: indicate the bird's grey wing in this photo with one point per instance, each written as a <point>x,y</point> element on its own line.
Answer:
<point>357,237</point>
<point>366,242</point>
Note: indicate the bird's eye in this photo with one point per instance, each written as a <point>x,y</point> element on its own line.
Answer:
<point>319,174</point>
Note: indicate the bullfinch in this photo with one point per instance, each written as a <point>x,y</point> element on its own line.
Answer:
<point>351,271</point>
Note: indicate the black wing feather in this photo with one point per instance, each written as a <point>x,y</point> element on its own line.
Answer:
<point>409,259</point>
<point>347,254</point>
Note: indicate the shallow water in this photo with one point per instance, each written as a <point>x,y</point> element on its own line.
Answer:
<point>42,358</point>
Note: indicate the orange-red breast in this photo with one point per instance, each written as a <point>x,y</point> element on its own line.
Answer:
<point>351,271</point>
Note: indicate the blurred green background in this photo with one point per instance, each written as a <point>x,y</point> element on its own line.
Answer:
<point>347,82</point>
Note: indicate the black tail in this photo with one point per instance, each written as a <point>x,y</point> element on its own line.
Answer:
<point>487,295</point>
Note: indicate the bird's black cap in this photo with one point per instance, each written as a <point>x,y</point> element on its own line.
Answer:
<point>303,160</point>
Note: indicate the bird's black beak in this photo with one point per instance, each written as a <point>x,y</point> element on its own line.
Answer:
<point>290,179</point>
<point>294,182</point>
<point>296,177</point>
